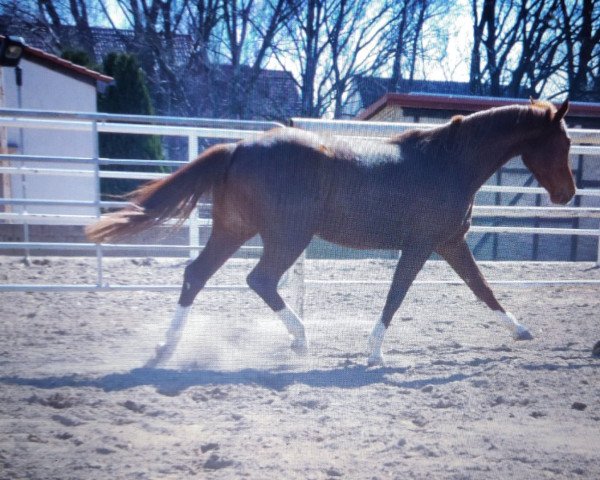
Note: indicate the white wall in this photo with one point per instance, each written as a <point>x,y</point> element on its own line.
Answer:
<point>47,89</point>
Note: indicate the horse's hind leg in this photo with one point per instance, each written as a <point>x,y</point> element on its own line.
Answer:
<point>220,246</point>
<point>279,254</point>
<point>460,258</point>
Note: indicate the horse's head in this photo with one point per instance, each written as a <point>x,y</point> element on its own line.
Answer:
<point>548,155</point>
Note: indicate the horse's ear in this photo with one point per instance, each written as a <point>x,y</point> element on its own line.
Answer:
<point>562,111</point>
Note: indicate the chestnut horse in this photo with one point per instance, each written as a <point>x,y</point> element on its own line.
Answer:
<point>413,192</point>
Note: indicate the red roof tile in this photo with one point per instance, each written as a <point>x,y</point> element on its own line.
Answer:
<point>35,54</point>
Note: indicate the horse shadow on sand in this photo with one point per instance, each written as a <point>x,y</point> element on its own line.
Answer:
<point>173,382</point>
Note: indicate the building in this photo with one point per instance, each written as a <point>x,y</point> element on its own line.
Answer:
<point>48,82</point>
<point>439,108</point>
<point>368,90</point>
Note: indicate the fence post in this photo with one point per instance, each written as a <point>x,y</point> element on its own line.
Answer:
<point>497,201</point>
<point>577,203</point>
<point>598,252</point>
<point>298,285</point>
<point>194,226</point>
<point>535,249</point>
<point>97,199</point>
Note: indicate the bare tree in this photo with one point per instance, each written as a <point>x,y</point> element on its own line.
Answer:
<point>327,43</point>
<point>202,18</point>
<point>480,22</point>
<point>538,43</point>
<point>581,24</point>
<point>353,32</point>
<point>302,51</point>
<point>79,12</point>
<point>248,32</point>
<point>176,42</point>
<point>46,20</point>
<point>514,47</point>
<point>153,25</point>
<point>225,43</point>
<point>519,47</point>
<point>404,34</point>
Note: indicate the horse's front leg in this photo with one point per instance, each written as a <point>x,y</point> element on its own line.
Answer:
<point>460,258</point>
<point>408,267</point>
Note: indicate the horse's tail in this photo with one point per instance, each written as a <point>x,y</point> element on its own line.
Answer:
<point>160,200</point>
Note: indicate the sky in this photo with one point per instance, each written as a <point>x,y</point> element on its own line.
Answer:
<point>116,13</point>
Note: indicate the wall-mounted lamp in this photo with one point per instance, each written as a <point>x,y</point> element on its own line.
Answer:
<point>11,51</point>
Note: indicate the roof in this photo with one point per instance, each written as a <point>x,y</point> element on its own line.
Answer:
<point>108,40</point>
<point>270,96</point>
<point>371,89</point>
<point>41,57</point>
<point>463,103</point>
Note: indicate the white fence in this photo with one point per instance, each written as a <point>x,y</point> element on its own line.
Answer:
<point>192,130</point>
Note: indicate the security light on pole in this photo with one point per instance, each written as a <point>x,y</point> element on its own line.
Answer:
<point>11,51</point>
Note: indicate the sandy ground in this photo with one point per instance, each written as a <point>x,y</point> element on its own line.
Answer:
<point>458,398</point>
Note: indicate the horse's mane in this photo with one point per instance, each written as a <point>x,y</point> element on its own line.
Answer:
<point>487,123</point>
<point>429,142</point>
<point>525,120</point>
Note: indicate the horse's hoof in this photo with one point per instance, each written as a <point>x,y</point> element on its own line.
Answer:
<point>152,363</point>
<point>521,333</point>
<point>300,347</point>
<point>159,356</point>
<point>375,361</point>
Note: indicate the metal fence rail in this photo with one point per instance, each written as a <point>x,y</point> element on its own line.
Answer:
<point>27,166</point>
<point>95,123</point>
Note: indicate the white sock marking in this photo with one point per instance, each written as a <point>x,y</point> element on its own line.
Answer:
<point>292,322</point>
<point>375,343</point>
<point>177,324</point>
<point>519,332</point>
<point>166,349</point>
<point>296,329</point>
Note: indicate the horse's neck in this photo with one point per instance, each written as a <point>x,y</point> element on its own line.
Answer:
<point>492,141</point>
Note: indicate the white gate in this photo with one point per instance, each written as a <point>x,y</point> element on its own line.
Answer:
<point>19,164</point>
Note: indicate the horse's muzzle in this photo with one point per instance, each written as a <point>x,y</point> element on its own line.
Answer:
<point>563,197</point>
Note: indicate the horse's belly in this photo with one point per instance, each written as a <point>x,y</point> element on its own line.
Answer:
<point>387,226</point>
<point>362,242</point>
<point>362,233</point>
